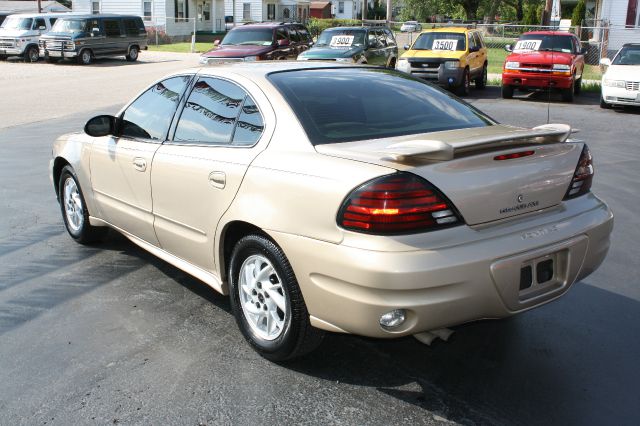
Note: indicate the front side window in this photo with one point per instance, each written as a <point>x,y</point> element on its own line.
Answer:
<point>441,41</point>
<point>218,112</point>
<point>343,105</point>
<point>149,116</point>
<point>39,22</point>
<point>65,25</point>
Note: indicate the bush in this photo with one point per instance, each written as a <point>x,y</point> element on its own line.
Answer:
<point>578,13</point>
<point>163,38</point>
<point>316,26</point>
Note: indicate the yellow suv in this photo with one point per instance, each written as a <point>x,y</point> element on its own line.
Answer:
<point>450,56</point>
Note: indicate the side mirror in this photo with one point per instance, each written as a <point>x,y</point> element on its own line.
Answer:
<point>406,47</point>
<point>605,61</point>
<point>474,49</point>
<point>42,28</point>
<point>283,43</point>
<point>508,48</point>
<point>102,125</point>
<point>216,42</point>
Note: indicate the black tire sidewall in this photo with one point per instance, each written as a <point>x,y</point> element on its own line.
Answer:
<point>27,54</point>
<point>284,344</point>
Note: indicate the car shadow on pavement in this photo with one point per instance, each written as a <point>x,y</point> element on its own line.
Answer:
<point>569,362</point>
<point>494,92</point>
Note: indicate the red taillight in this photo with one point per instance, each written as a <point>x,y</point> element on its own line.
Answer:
<point>513,155</point>
<point>401,203</point>
<point>582,177</point>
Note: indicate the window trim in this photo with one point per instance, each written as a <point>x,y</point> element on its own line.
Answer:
<point>201,144</point>
<point>120,115</point>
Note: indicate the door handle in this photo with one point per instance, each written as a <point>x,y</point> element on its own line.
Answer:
<point>140,164</point>
<point>218,179</point>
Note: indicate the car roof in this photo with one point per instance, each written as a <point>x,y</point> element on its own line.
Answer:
<point>558,33</point>
<point>261,69</point>
<point>265,25</point>
<point>631,45</point>
<point>98,15</point>
<point>460,30</point>
<point>354,28</point>
<point>40,15</point>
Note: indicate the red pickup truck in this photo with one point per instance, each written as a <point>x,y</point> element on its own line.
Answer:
<point>544,60</point>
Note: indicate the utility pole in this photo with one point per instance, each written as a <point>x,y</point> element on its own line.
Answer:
<point>39,6</point>
<point>388,11</point>
<point>546,14</point>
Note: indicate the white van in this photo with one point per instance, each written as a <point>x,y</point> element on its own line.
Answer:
<point>19,34</point>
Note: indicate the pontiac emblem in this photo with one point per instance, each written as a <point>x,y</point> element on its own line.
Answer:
<point>520,198</point>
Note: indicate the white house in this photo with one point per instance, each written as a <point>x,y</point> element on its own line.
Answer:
<point>622,18</point>
<point>176,17</point>
<point>32,7</point>
<point>268,10</point>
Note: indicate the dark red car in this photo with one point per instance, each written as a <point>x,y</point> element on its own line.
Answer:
<point>261,42</point>
<point>544,60</point>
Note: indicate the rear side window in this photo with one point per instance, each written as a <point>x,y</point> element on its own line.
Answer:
<point>218,112</point>
<point>112,28</point>
<point>149,116</point>
<point>343,105</point>
<point>131,27</point>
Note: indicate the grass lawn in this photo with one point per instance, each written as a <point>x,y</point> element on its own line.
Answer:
<point>180,47</point>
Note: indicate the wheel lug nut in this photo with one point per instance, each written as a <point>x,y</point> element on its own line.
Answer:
<point>258,305</point>
<point>254,292</point>
<point>266,295</point>
<point>265,307</point>
<point>260,285</point>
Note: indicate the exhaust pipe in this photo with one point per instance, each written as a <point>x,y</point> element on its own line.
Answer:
<point>427,337</point>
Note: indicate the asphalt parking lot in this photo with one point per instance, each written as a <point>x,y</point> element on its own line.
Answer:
<point>109,334</point>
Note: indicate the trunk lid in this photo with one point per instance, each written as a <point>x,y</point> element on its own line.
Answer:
<point>462,164</point>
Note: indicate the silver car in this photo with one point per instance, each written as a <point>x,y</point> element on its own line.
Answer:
<point>337,198</point>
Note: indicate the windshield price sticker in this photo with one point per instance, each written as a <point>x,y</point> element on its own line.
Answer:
<point>527,45</point>
<point>444,45</point>
<point>341,41</point>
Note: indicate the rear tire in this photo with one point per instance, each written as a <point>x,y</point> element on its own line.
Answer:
<point>481,82</point>
<point>85,57</point>
<point>507,91</point>
<point>267,302</point>
<point>133,54</point>
<point>74,210</point>
<point>392,64</point>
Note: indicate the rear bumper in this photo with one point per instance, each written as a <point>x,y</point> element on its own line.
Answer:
<point>536,81</point>
<point>348,289</point>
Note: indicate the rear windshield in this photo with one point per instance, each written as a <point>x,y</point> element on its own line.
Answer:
<point>544,42</point>
<point>441,41</point>
<point>259,36</point>
<point>629,55</point>
<point>65,25</point>
<point>341,38</point>
<point>343,105</point>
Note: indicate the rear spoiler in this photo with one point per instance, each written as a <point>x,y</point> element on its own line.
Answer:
<point>435,150</point>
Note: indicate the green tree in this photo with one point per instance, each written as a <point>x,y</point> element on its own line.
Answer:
<point>578,13</point>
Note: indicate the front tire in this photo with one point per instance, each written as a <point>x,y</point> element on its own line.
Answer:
<point>85,57</point>
<point>604,105</point>
<point>74,211</point>
<point>267,302</point>
<point>568,94</point>
<point>463,89</point>
<point>133,54</point>
<point>507,91</point>
<point>32,54</point>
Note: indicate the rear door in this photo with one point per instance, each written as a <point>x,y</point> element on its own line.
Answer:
<point>121,165</point>
<point>197,174</point>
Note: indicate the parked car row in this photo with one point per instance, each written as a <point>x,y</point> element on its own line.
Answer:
<point>72,36</point>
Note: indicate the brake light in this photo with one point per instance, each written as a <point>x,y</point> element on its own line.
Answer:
<point>513,155</point>
<point>401,203</point>
<point>582,177</point>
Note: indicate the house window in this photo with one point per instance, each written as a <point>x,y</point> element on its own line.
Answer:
<point>180,11</point>
<point>146,10</point>
<point>207,11</point>
<point>286,13</point>
<point>340,7</point>
<point>271,12</point>
<point>95,7</point>
<point>246,11</point>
